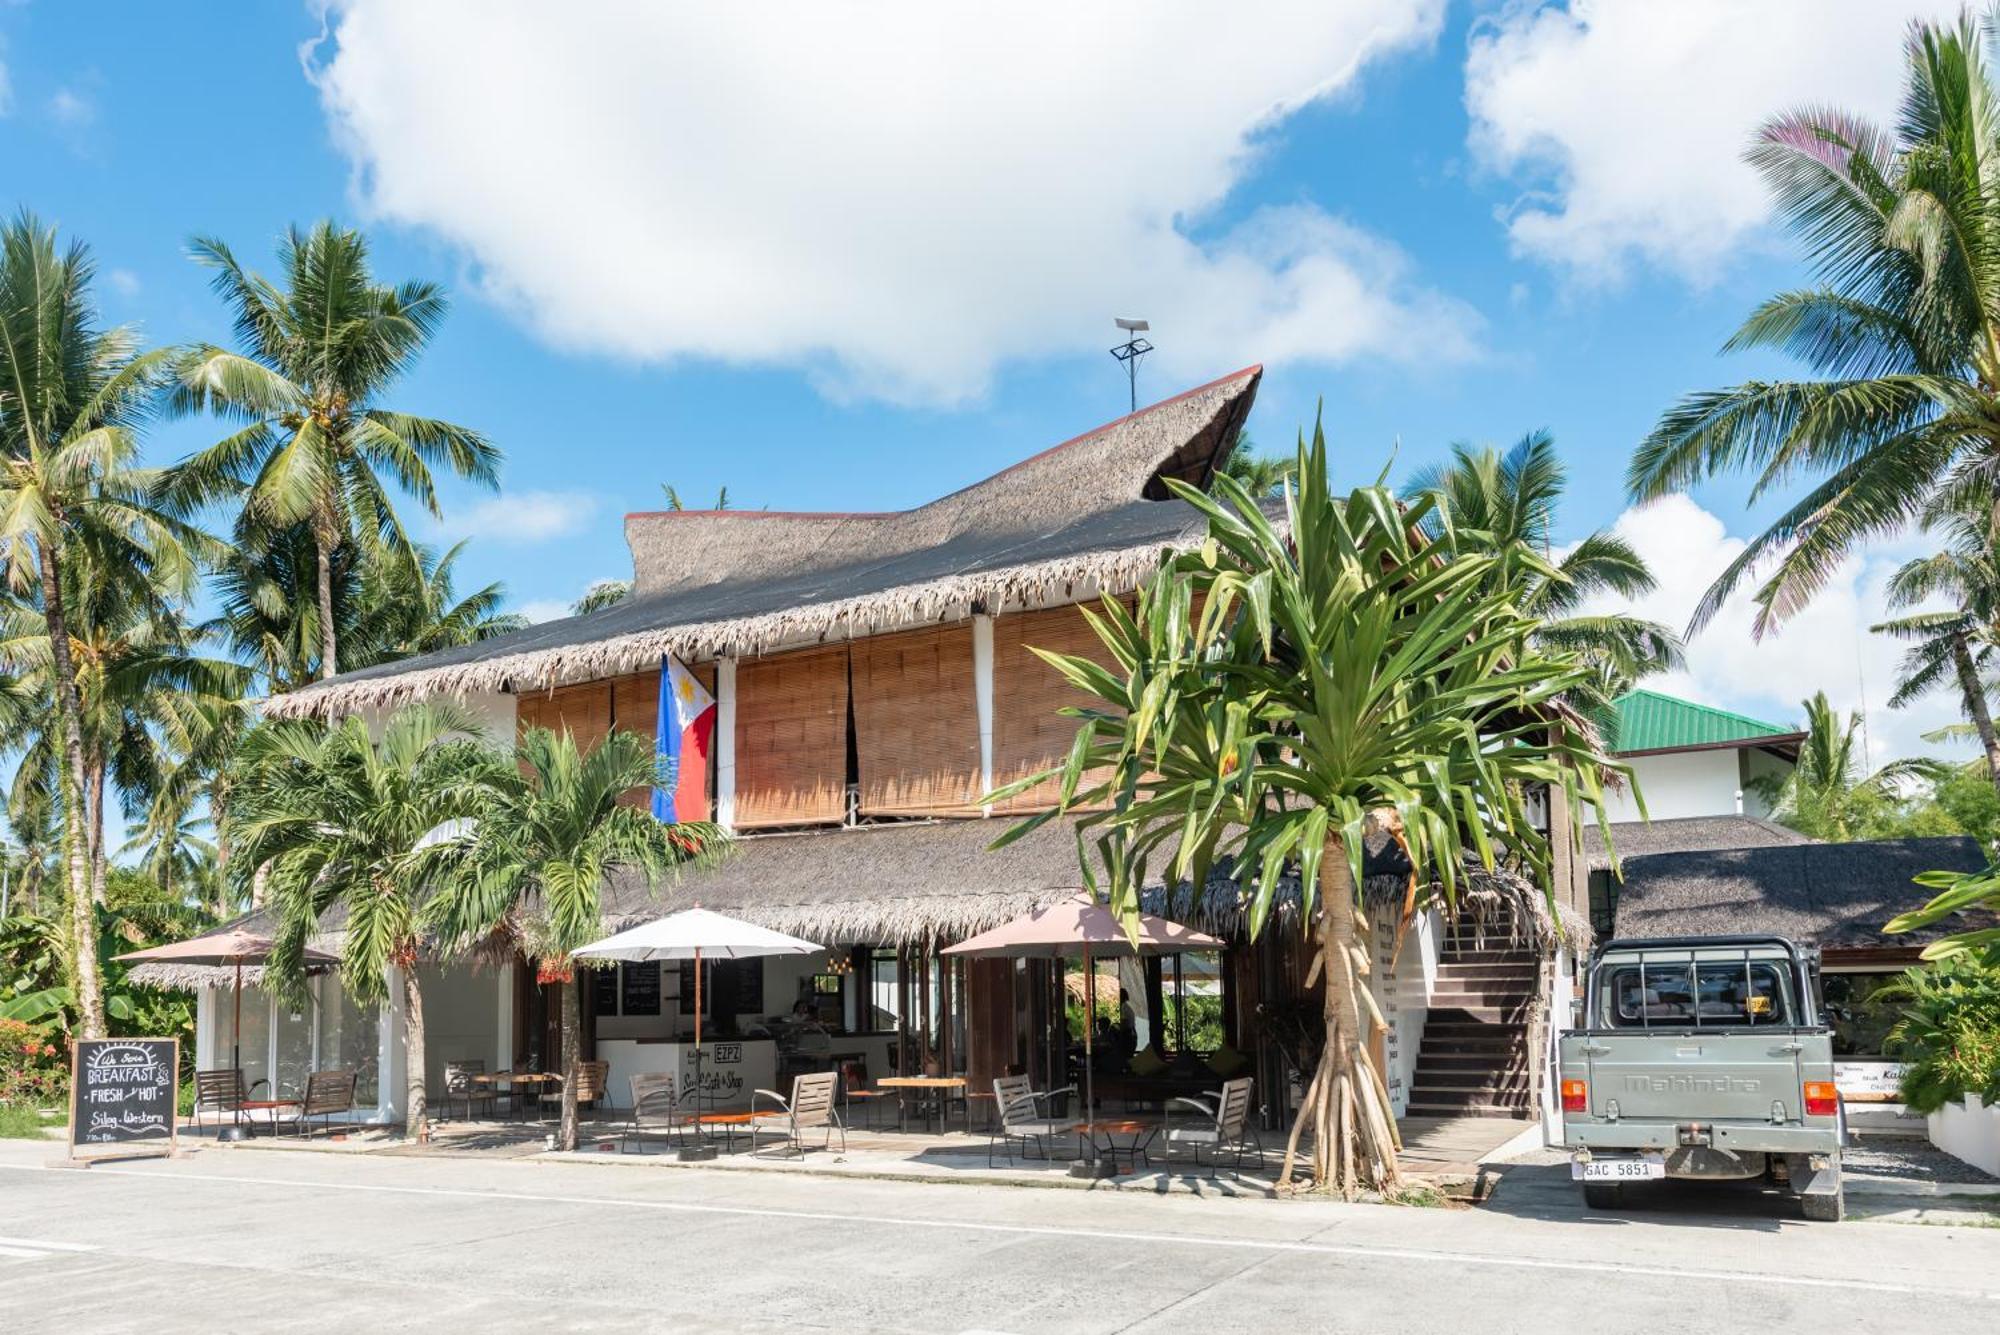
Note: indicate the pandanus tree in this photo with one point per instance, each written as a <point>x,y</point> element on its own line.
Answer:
<point>1901,331</point>
<point>1501,501</point>
<point>1285,688</point>
<point>317,447</point>
<point>550,831</point>
<point>72,395</point>
<point>376,829</point>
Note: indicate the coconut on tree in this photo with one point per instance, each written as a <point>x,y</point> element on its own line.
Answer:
<point>1292,685</point>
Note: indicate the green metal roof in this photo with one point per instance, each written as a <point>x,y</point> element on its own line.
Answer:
<point>1649,721</point>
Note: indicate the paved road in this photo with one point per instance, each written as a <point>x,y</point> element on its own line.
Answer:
<point>269,1240</point>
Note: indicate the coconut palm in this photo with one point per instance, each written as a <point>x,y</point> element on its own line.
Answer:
<point>318,354</point>
<point>1954,646</point>
<point>1829,793</point>
<point>605,593</point>
<point>1259,474</point>
<point>1336,677</point>
<point>1901,332</point>
<point>373,829</point>
<point>1495,501</point>
<point>71,396</point>
<point>550,833</point>
<point>406,603</point>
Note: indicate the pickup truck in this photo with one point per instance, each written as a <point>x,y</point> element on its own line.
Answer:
<point>1702,1057</point>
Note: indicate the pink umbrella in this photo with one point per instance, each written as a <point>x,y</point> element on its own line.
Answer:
<point>1080,927</point>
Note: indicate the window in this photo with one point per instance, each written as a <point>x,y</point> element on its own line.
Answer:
<point>1707,993</point>
<point>1860,1022</point>
<point>882,1005</point>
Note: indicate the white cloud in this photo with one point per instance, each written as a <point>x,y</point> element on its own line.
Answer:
<point>544,609</point>
<point>1626,120</point>
<point>518,517</point>
<point>897,197</point>
<point>71,109</point>
<point>123,281</point>
<point>1827,647</point>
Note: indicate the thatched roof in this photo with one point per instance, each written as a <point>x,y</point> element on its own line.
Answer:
<point>1685,834</point>
<point>1836,895</point>
<point>1086,517</point>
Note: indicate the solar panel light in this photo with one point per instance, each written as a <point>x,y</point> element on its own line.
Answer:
<point>1131,326</point>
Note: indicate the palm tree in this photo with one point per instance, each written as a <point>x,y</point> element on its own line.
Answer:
<point>374,829</point>
<point>318,355</point>
<point>1902,332</point>
<point>674,501</point>
<point>1494,502</point>
<point>1262,475</point>
<point>605,593</point>
<point>1336,677</point>
<point>1829,793</point>
<point>552,830</point>
<point>406,603</point>
<point>71,395</point>
<point>1954,646</point>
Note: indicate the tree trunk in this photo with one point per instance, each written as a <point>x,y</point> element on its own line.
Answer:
<point>1354,1140</point>
<point>100,890</point>
<point>328,665</point>
<point>572,1051</point>
<point>414,1124</point>
<point>69,711</point>
<point>1974,692</point>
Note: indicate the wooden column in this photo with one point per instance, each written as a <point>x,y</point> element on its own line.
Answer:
<point>989,1022</point>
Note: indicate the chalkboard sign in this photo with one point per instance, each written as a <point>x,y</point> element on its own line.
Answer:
<point>124,1092</point>
<point>641,989</point>
<point>604,990</point>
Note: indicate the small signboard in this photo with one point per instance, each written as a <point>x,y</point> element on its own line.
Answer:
<point>124,1094</point>
<point>1869,1081</point>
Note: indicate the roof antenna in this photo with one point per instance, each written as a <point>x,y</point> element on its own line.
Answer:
<point>1130,351</point>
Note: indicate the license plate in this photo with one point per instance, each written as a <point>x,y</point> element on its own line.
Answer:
<point>1638,1169</point>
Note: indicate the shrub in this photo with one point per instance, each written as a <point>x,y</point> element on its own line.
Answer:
<point>1948,1033</point>
<point>32,1070</point>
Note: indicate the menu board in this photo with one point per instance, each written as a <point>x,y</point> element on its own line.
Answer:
<point>640,994</point>
<point>123,1091</point>
<point>604,990</point>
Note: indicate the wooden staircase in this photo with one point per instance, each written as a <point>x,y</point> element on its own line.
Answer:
<point>1474,1058</point>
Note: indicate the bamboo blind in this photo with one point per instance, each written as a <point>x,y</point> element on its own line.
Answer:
<point>584,710</point>
<point>1028,733</point>
<point>791,738</point>
<point>916,723</point>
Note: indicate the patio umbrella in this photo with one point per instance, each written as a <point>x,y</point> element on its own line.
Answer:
<point>1079,928</point>
<point>696,934</point>
<point>230,947</point>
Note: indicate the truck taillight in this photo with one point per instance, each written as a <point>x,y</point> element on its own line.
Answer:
<point>1576,1096</point>
<point>1822,1099</point>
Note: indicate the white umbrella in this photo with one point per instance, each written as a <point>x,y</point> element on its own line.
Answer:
<point>695,934</point>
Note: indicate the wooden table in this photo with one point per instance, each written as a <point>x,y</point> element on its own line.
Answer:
<point>529,1081</point>
<point>1140,1134</point>
<point>728,1121</point>
<point>940,1088</point>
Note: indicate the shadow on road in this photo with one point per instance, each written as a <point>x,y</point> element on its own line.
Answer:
<point>1545,1191</point>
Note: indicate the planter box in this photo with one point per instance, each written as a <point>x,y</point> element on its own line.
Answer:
<point>1969,1130</point>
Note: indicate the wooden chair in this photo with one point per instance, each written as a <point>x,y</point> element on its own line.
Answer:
<point>1221,1124</point>
<point>656,1106</point>
<point>221,1093</point>
<point>328,1094</point>
<point>854,1086</point>
<point>810,1108</point>
<point>459,1086</point>
<point>1022,1114</point>
<point>591,1078</point>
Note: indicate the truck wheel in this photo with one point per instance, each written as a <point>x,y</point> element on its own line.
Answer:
<point>1825,1207</point>
<point>1604,1195</point>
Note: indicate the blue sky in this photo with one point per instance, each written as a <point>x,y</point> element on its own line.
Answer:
<point>859,259</point>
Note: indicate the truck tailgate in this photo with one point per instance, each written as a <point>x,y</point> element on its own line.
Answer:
<point>1728,1077</point>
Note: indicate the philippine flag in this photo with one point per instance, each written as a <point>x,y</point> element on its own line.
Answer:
<point>687,724</point>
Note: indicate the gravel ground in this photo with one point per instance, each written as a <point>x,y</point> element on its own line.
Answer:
<point>1910,1161</point>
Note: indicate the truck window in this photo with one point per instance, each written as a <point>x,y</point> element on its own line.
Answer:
<point>1711,993</point>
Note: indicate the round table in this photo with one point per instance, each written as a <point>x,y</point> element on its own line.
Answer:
<point>1102,1138</point>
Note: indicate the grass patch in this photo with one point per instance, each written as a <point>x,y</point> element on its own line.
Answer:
<point>22,1123</point>
<point>1420,1196</point>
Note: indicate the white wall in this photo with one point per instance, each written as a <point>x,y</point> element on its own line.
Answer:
<point>1402,991</point>
<point>492,713</point>
<point>1680,783</point>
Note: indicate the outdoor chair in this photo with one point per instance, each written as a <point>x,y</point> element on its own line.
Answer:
<point>1022,1114</point>
<point>221,1093</point>
<point>656,1106</point>
<point>809,1109</point>
<point>328,1094</point>
<point>853,1087</point>
<point>1220,1125</point>
<point>590,1081</point>
<point>459,1086</point>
